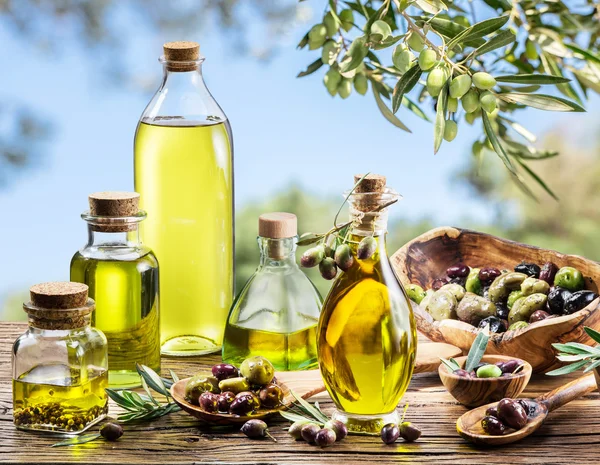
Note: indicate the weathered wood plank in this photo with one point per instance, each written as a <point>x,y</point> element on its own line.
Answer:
<point>571,435</point>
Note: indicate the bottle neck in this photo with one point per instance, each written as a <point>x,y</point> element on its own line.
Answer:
<point>368,224</point>
<point>112,239</point>
<point>277,252</point>
<point>57,328</point>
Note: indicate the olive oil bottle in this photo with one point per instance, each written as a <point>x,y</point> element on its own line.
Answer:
<point>367,336</point>
<point>122,275</point>
<point>276,313</point>
<point>184,173</point>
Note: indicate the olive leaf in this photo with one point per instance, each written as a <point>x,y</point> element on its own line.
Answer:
<point>82,439</point>
<point>449,29</point>
<point>541,101</point>
<point>551,66</point>
<point>387,113</point>
<point>501,39</point>
<point>479,29</point>
<point>309,408</point>
<point>589,56</point>
<point>451,364</point>
<point>314,66</point>
<point>477,348</point>
<point>591,332</point>
<point>581,354</point>
<point>431,6</point>
<point>154,381</point>
<point>568,368</point>
<point>355,56</point>
<point>440,119</point>
<point>539,180</point>
<point>540,79</point>
<point>308,239</point>
<point>405,85</point>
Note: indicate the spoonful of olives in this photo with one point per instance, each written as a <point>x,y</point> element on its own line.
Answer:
<point>517,427</point>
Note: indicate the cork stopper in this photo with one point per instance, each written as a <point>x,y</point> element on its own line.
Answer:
<point>277,225</point>
<point>371,183</point>
<point>59,305</point>
<point>114,204</point>
<point>180,55</point>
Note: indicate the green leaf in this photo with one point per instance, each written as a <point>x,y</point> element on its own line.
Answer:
<point>294,416</point>
<point>387,113</point>
<point>147,389</point>
<point>315,65</point>
<point>489,131</point>
<point>387,42</point>
<point>551,66</point>
<point>477,349</point>
<point>451,364</point>
<point>440,119</point>
<point>592,366</point>
<point>541,102</point>
<point>133,397</point>
<point>519,129</point>
<point>154,381</point>
<point>304,42</point>
<point>309,408</point>
<point>479,29</point>
<point>589,56</point>
<point>120,400</point>
<point>82,439</point>
<point>174,376</point>
<point>416,109</point>
<point>356,54</point>
<point>537,179</point>
<point>568,369</point>
<point>431,6</point>
<point>541,79</point>
<point>501,39</point>
<point>576,348</point>
<point>503,5</point>
<point>404,85</point>
<point>591,332</point>
<point>308,239</point>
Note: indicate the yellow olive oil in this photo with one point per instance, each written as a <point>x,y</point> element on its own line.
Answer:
<point>286,351</point>
<point>126,295</point>
<point>184,174</point>
<point>367,338</point>
<point>56,398</point>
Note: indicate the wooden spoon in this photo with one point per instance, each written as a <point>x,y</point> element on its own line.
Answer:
<point>469,425</point>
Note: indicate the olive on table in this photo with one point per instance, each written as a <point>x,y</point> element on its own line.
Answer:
<point>473,283</point>
<point>234,385</point>
<point>409,432</point>
<point>509,366</point>
<point>442,305</point>
<point>569,278</point>
<point>530,269</point>
<point>255,429</point>
<point>458,271</point>
<point>225,400</point>
<point>209,401</point>
<point>556,300</point>
<point>390,433</point>
<point>496,325</point>
<point>244,403</point>
<point>309,432</point>
<point>339,428</point>
<point>325,437</point>
<point>295,430</point>
<point>270,396</point>
<point>493,426</point>
<point>257,370</point>
<point>578,301</point>
<point>534,286</point>
<point>513,297</point>
<point>225,370</point>
<point>488,274</point>
<point>196,386</point>
<point>473,308</point>
<point>503,285</point>
<point>548,272</point>
<point>457,290</point>
<point>489,371</point>
<point>415,293</point>
<point>111,431</point>
<point>525,306</point>
<point>492,411</point>
<point>538,315</point>
<point>512,413</point>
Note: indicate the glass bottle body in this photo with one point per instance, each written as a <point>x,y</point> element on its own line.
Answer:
<point>276,313</point>
<point>367,340</point>
<point>183,162</point>
<point>122,275</point>
<point>59,379</point>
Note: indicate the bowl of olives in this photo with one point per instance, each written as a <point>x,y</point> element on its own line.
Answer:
<point>231,395</point>
<point>459,280</point>
<point>493,379</point>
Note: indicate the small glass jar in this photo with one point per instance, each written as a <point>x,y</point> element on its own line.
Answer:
<point>59,365</point>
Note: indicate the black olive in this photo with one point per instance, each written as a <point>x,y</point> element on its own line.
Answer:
<point>325,437</point>
<point>529,405</point>
<point>111,431</point>
<point>224,371</point>
<point>579,300</point>
<point>459,281</point>
<point>509,366</point>
<point>437,283</point>
<point>548,272</point>
<point>556,300</point>
<point>493,426</point>
<point>461,372</point>
<point>458,271</point>
<point>256,429</point>
<point>530,269</point>
<point>389,433</point>
<point>538,315</point>
<point>409,432</point>
<point>502,310</point>
<point>496,324</point>
<point>512,413</point>
<point>488,274</point>
<point>492,412</point>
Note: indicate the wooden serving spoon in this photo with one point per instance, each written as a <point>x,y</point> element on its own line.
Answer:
<point>469,425</point>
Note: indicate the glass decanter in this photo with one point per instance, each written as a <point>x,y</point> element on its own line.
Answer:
<point>276,313</point>
<point>366,337</point>
<point>183,165</point>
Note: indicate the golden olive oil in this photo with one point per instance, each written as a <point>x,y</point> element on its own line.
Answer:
<point>126,295</point>
<point>56,398</point>
<point>184,175</point>
<point>366,338</point>
<point>286,351</point>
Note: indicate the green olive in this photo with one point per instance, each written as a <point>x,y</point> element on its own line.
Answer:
<point>331,80</point>
<point>569,278</point>
<point>257,370</point>
<point>473,308</point>
<point>460,85</point>
<point>331,24</point>
<point>435,81</point>
<point>534,286</point>
<point>488,101</point>
<point>234,385</point>
<point>452,104</point>
<point>513,297</point>
<point>442,305</point>
<point>530,50</point>
<point>483,81</point>
<point>470,101</point>
<point>380,30</point>
<point>197,385</point>
<point>347,18</point>
<point>427,59</point>
<point>473,283</point>
<point>456,289</point>
<point>404,60</point>
<point>329,52</point>
<point>345,88</point>
<point>317,36</point>
<point>428,295</point>
<point>361,84</point>
<point>523,308</point>
<point>518,325</point>
<point>489,371</point>
<point>415,293</point>
<point>504,284</point>
<point>450,130</point>
<point>415,42</point>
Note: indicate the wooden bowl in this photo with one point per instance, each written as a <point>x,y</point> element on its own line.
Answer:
<point>428,256</point>
<point>474,392</point>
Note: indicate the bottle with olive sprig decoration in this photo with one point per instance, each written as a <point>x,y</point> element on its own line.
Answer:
<point>366,338</point>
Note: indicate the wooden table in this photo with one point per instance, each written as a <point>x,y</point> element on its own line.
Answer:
<point>571,435</point>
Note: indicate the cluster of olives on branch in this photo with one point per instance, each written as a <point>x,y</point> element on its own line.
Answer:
<point>391,432</point>
<point>311,432</point>
<point>236,391</point>
<point>508,413</point>
<point>329,259</point>
<point>504,300</point>
<point>487,370</point>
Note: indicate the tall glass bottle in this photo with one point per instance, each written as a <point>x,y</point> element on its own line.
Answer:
<point>367,337</point>
<point>276,313</point>
<point>122,275</point>
<point>184,173</point>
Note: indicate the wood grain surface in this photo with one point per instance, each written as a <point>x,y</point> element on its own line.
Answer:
<point>571,435</point>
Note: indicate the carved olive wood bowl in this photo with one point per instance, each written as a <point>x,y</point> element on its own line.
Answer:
<point>474,392</point>
<point>427,257</point>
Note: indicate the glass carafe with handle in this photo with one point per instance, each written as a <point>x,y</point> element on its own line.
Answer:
<point>184,173</point>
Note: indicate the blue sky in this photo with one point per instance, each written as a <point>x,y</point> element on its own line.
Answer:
<point>286,130</point>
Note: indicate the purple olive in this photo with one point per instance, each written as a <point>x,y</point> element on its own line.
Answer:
<point>225,400</point>
<point>389,433</point>
<point>309,432</point>
<point>492,412</point>
<point>209,401</point>
<point>462,373</point>
<point>530,406</point>
<point>244,403</point>
<point>224,371</point>
<point>409,432</point>
<point>339,428</point>
<point>509,366</point>
<point>325,437</point>
<point>548,272</point>
<point>512,413</point>
<point>458,271</point>
<point>488,274</point>
<point>493,426</point>
<point>438,283</point>
<point>538,315</point>
<point>271,396</point>
<point>255,429</point>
